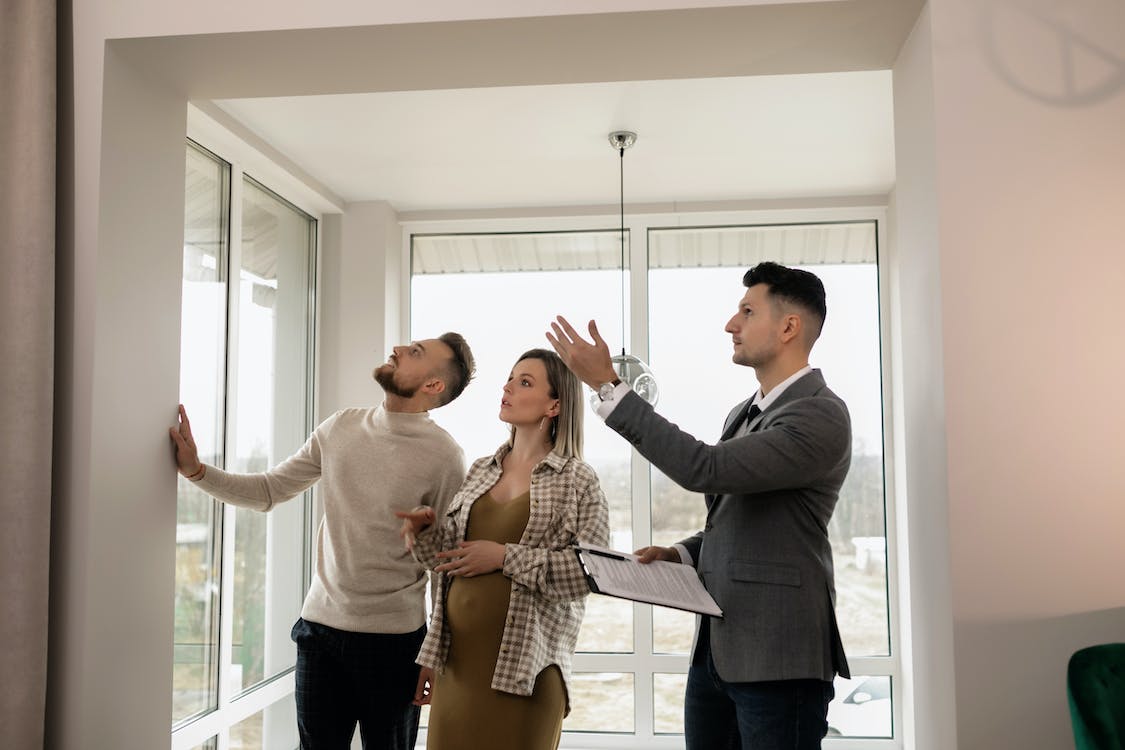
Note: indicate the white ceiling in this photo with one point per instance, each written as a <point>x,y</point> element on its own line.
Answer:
<point>714,139</point>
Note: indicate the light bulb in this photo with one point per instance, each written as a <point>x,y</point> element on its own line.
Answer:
<point>637,374</point>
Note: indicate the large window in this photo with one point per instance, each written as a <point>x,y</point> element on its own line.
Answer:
<point>501,289</point>
<point>246,378</point>
<point>695,282</point>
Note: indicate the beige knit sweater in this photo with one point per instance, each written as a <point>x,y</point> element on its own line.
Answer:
<point>370,463</point>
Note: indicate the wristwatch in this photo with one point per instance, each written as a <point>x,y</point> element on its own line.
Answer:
<point>605,390</point>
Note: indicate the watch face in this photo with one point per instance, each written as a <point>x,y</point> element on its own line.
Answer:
<point>605,391</point>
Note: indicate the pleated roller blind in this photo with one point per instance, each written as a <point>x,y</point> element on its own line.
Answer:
<point>694,247</point>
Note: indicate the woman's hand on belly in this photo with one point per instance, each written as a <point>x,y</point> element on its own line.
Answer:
<point>472,558</point>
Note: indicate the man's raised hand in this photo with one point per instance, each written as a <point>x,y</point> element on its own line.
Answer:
<point>589,360</point>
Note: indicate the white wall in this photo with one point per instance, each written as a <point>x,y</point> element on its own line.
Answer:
<point>359,303</point>
<point>927,692</point>
<point>115,506</point>
<point>1030,116</point>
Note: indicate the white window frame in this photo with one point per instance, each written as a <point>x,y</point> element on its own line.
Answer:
<point>247,159</point>
<point>642,663</point>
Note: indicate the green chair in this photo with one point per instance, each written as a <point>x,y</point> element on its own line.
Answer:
<point>1095,688</point>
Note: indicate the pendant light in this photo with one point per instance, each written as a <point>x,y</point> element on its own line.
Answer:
<point>629,368</point>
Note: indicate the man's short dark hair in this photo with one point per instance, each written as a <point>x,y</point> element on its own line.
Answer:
<point>459,370</point>
<point>793,286</point>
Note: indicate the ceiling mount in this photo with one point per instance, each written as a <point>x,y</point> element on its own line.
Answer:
<point>621,139</point>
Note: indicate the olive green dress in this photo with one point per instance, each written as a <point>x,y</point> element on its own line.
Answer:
<point>465,712</point>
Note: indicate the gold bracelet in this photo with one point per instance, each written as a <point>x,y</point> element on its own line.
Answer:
<point>199,474</point>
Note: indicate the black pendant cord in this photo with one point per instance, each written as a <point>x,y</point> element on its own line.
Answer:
<point>621,151</point>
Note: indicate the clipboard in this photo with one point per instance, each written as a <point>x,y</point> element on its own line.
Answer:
<point>662,583</point>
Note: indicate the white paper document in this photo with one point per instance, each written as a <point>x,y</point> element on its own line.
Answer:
<point>668,584</point>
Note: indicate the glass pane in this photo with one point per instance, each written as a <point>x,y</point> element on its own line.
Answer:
<point>202,363</point>
<point>270,421</point>
<point>600,702</point>
<point>688,310</point>
<point>672,631</point>
<point>861,708</point>
<point>668,703</point>
<point>211,744</point>
<point>502,315</point>
<point>273,727</point>
<point>607,626</point>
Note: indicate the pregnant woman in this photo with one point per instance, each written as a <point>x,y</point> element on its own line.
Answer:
<point>511,594</point>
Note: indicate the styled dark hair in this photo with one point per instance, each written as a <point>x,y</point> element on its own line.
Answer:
<point>566,426</point>
<point>794,287</point>
<point>460,369</point>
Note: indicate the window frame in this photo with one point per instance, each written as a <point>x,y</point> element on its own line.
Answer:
<point>245,162</point>
<point>642,663</point>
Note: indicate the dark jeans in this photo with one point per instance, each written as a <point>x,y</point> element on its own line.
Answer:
<point>345,678</point>
<point>778,715</point>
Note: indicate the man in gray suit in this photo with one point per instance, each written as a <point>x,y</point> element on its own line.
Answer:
<point>761,676</point>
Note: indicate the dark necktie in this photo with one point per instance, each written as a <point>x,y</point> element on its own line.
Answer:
<point>735,425</point>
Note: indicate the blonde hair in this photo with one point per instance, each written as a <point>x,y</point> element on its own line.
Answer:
<point>566,426</point>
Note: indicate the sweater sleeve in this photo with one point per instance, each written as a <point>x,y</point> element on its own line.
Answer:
<point>444,532</point>
<point>451,479</point>
<point>262,491</point>
<point>555,574</point>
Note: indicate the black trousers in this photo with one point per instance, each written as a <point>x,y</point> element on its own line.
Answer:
<point>346,678</point>
<point>776,715</point>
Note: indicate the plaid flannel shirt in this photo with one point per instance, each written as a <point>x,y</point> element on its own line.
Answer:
<point>549,589</point>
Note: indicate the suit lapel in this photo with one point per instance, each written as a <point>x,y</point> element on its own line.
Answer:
<point>733,422</point>
<point>812,382</point>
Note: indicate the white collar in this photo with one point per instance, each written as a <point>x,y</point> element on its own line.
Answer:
<point>763,402</point>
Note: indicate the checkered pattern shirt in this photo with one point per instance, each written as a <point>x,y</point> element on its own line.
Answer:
<point>549,590</point>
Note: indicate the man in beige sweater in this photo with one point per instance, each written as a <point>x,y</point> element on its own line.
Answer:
<point>363,619</point>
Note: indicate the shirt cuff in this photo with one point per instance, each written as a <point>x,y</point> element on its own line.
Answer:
<point>605,408</point>
<point>685,556</point>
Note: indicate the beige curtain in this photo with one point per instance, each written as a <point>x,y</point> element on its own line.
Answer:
<point>27,297</point>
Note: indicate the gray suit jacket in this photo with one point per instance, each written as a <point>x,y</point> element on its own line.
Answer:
<point>763,553</point>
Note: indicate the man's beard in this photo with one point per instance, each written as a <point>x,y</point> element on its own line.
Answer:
<point>386,378</point>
